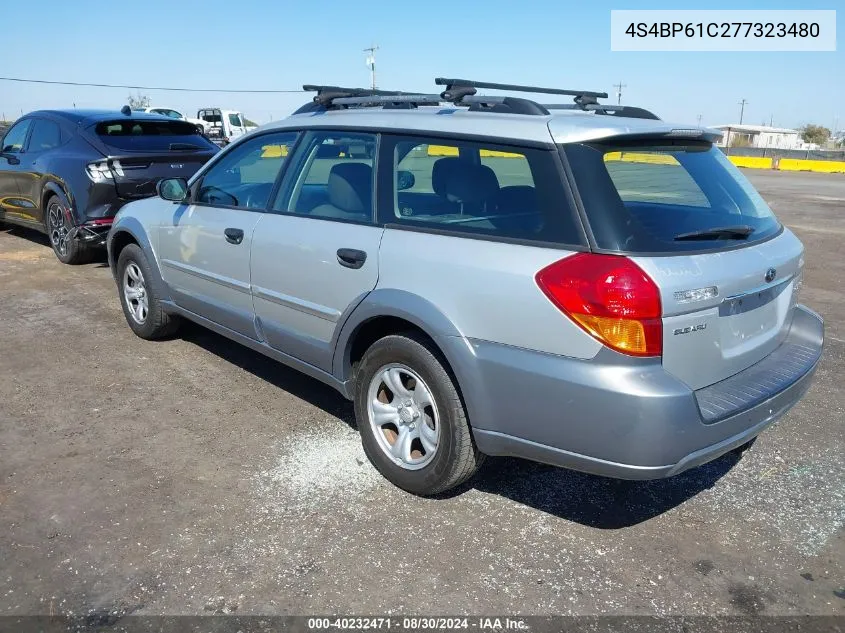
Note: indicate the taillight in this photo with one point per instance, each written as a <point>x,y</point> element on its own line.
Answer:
<point>101,171</point>
<point>610,297</point>
<point>98,172</point>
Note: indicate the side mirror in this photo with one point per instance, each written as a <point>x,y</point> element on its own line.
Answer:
<point>405,180</point>
<point>10,158</point>
<point>173,189</point>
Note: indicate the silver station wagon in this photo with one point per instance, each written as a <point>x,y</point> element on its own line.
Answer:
<point>579,284</point>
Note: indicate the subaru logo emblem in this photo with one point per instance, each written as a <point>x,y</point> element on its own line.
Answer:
<point>770,274</point>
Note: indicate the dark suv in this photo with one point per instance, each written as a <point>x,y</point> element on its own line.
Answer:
<point>66,173</point>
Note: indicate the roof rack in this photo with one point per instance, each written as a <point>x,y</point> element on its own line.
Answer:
<point>463,92</point>
<point>327,96</point>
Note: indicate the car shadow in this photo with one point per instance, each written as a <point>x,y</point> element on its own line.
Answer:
<point>99,258</point>
<point>593,501</point>
<point>28,234</point>
<point>290,380</point>
<point>590,500</point>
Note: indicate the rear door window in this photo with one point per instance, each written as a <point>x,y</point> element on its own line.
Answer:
<point>146,135</point>
<point>481,189</point>
<point>45,135</point>
<point>667,197</point>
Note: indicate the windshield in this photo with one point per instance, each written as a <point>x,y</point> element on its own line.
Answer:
<point>667,197</point>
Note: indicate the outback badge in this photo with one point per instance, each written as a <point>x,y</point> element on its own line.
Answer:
<point>689,329</point>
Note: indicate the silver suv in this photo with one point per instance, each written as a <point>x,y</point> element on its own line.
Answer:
<point>583,285</point>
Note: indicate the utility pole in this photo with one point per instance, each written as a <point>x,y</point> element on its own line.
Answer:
<point>742,105</point>
<point>371,62</point>
<point>619,87</point>
<point>699,120</point>
<point>771,120</point>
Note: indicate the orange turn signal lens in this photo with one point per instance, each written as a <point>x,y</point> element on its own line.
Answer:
<point>625,335</point>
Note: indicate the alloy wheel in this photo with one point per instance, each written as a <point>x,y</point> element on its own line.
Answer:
<point>58,228</point>
<point>403,416</point>
<point>135,293</point>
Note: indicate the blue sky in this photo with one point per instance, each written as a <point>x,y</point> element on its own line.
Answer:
<point>267,44</point>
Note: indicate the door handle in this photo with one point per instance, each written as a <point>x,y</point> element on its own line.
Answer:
<point>234,236</point>
<point>351,257</point>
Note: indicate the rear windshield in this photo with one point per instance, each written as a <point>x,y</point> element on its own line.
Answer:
<point>151,135</point>
<point>667,197</point>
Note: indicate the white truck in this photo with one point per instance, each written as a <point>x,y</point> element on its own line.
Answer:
<point>223,126</point>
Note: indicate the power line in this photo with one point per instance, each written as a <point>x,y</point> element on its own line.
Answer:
<point>93,85</point>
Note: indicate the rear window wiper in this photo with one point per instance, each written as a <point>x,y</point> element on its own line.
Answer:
<point>738,232</point>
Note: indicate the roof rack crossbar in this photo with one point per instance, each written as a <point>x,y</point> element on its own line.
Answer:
<point>450,84</point>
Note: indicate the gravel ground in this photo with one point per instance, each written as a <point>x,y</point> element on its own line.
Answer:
<point>193,476</point>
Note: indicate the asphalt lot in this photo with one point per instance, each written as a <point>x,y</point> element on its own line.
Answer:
<point>192,476</point>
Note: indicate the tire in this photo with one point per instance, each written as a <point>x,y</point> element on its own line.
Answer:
<point>442,424</point>
<point>134,269</point>
<point>58,225</point>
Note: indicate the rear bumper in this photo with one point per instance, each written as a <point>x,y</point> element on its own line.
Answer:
<point>628,418</point>
<point>93,232</point>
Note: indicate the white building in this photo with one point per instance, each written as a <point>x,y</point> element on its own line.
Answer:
<point>762,136</point>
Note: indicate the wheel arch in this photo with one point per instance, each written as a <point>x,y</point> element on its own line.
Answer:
<point>126,231</point>
<point>389,311</point>
<point>52,188</point>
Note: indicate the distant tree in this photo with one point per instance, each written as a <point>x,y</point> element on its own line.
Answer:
<point>248,123</point>
<point>817,134</point>
<point>740,140</point>
<point>139,101</point>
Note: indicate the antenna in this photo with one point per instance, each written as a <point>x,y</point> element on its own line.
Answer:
<point>619,87</point>
<point>371,63</point>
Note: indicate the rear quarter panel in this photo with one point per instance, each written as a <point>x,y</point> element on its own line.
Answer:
<point>486,289</point>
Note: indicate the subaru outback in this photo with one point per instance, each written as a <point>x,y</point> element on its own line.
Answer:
<point>578,284</point>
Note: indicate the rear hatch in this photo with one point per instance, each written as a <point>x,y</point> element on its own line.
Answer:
<point>727,271</point>
<point>140,152</point>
